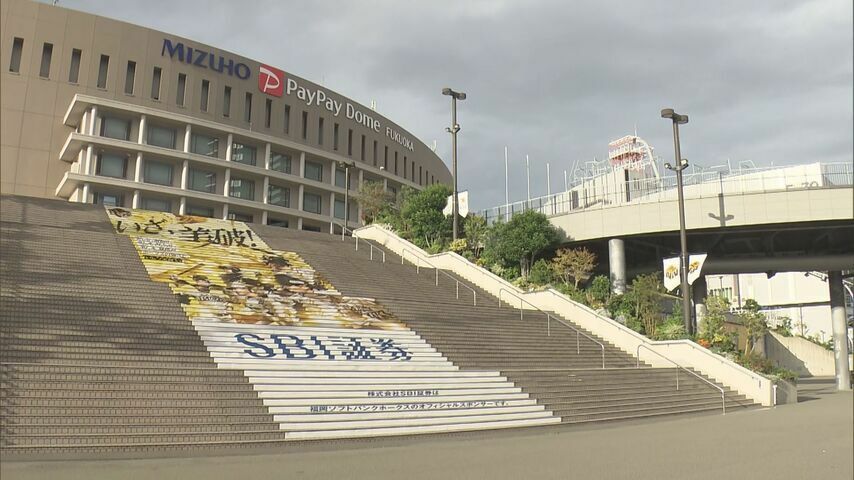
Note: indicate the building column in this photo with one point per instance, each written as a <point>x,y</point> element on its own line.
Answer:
<point>699,292</point>
<point>300,197</point>
<point>85,193</point>
<point>137,168</point>
<point>265,190</point>
<point>302,164</point>
<point>188,134</point>
<point>332,228</point>
<point>226,181</point>
<point>135,201</point>
<point>332,207</point>
<point>90,164</point>
<point>230,141</point>
<point>182,207</point>
<point>267,154</point>
<point>299,223</point>
<point>83,127</point>
<point>264,217</point>
<point>617,263</point>
<point>225,211</point>
<point>93,116</point>
<point>142,123</point>
<point>185,174</point>
<point>840,330</point>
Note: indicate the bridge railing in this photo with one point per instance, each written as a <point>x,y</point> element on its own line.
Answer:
<point>606,191</point>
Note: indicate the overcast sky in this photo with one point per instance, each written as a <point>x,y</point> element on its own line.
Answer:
<point>767,81</point>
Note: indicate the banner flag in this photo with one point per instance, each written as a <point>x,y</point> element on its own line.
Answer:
<point>463,207</point>
<point>672,279</point>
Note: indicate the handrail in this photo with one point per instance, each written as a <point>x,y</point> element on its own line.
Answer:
<point>548,323</point>
<point>438,270</point>
<point>345,229</point>
<point>637,356</point>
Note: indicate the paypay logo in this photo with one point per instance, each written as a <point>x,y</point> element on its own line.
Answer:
<point>271,80</point>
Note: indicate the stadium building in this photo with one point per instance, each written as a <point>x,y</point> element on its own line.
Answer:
<point>100,111</point>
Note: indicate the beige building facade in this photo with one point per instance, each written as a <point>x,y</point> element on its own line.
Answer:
<point>101,111</point>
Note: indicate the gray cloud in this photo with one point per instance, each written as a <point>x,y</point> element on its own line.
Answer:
<point>769,81</point>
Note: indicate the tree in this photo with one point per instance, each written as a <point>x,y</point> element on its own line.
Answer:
<point>574,264</point>
<point>712,331</point>
<point>374,199</point>
<point>521,239</point>
<point>475,228</point>
<point>599,292</point>
<point>754,322</point>
<point>421,217</point>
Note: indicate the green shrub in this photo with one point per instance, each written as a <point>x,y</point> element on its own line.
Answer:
<point>671,330</point>
<point>541,273</point>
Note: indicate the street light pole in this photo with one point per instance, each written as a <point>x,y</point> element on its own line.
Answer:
<point>681,164</point>
<point>453,129</point>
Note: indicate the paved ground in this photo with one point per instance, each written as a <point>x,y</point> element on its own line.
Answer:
<point>810,440</point>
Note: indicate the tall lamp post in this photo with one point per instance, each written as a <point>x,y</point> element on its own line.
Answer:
<point>453,129</point>
<point>346,167</point>
<point>681,164</point>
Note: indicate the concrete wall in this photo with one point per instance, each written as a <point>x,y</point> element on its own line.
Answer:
<point>800,355</point>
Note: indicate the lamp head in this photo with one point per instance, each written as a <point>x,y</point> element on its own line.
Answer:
<point>447,91</point>
<point>684,162</point>
<point>668,166</point>
<point>667,113</point>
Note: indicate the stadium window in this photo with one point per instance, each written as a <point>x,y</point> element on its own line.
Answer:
<point>313,171</point>
<point>158,173</point>
<point>202,181</point>
<point>112,165</point>
<point>335,136</point>
<point>275,222</point>
<point>395,163</point>
<point>204,145</point>
<point>350,142</point>
<point>108,199</point>
<point>203,101</point>
<point>112,127</point>
<point>268,113</point>
<point>155,83</point>
<point>241,188</point>
<point>311,203</point>
<point>375,153</point>
<point>420,177</point>
<point>362,156</point>
<point>404,167</point>
<point>244,154</point>
<point>74,68</point>
<point>199,211</point>
<point>280,162</point>
<point>103,69</point>
<point>310,228</point>
<point>182,86</point>
<point>226,101</point>
<point>304,125</point>
<point>247,108</point>
<point>156,204</point>
<point>320,130</point>
<point>340,177</point>
<point>280,196</point>
<point>339,208</point>
<point>385,159</point>
<point>17,49</point>
<point>130,76</point>
<point>47,54</point>
<point>287,119</point>
<point>239,217</point>
<point>161,136</point>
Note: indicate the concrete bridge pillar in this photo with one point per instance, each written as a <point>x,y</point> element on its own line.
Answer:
<point>617,263</point>
<point>840,330</point>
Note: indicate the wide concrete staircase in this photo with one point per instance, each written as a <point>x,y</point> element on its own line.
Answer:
<point>94,355</point>
<point>556,364</point>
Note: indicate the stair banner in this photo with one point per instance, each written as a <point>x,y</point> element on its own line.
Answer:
<point>223,272</point>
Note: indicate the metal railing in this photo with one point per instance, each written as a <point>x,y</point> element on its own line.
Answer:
<point>678,367</point>
<point>345,230</point>
<point>417,264</point>
<point>578,332</point>
<point>607,191</point>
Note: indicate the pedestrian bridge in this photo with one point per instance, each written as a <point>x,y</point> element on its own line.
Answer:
<point>604,208</point>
